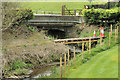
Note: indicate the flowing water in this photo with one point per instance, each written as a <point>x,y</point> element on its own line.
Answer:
<point>44,71</point>
<point>47,70</point>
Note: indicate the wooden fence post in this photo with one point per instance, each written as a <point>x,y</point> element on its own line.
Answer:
<point>117,30</point>
<point>82,49</point>
<point>74,12</point>
<point>60,68</point>
<point>109,38</point>
<point>68,61</point>
<point>89,45</point>
<point>63,10</point>
<point>65,65</point>
<point>111,30</point>
<point>74,58</point>
<point>100,41</point>
<point>115,34</point>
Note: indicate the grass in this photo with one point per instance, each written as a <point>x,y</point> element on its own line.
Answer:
<point>103,65</point>
<point>56,6</point>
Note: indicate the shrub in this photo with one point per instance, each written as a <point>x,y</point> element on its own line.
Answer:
<point>101,16</point>
<point>23,15</point>
<point>16,18</point>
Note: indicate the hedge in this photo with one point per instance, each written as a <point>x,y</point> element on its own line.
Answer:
<point>101,16</point>
<point>108,5</point>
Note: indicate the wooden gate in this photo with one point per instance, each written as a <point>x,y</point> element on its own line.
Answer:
<point>72,12</point>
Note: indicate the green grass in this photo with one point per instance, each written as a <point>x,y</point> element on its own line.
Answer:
<point>56,6</point>
<point>103,65</point>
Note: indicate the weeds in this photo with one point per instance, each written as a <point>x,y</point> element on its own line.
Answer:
<point>34,44</point>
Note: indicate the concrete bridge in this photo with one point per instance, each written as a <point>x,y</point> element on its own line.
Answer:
<point>56,22</point>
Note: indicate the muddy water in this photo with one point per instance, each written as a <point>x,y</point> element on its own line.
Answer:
<point>47,70</point>
<point>44,71</point>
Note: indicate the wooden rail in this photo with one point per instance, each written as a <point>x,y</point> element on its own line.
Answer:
<point>64,11</point>
<point>77,40</point>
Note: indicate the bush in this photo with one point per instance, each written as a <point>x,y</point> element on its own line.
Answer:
<point>16,18</point>
<point>101,16</point>
<point>23,15</point>
<point>108,5</point>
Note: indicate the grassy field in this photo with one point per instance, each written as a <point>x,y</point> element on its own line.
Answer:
<point>103,65</point>
<point>56,6</point>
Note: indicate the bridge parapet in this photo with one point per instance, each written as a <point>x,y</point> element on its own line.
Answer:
<point>38,18</point>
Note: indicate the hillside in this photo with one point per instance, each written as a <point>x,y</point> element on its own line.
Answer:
<point>103,65</point>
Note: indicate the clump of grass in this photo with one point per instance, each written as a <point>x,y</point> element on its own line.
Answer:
<point>25,45</point>
<point>51,37</point>
<point>34,44</point>
<point>18,64</point>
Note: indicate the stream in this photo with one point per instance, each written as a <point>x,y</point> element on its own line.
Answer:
<point>47,70</point>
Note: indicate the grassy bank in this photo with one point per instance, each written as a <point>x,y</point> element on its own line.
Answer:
<point>100,64</point>
<point>103,65</point>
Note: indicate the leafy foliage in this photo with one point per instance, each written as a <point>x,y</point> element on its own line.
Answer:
<point>101,16</point>
<point>13,16</point>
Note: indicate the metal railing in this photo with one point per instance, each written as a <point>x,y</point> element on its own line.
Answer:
<point>46,12</point>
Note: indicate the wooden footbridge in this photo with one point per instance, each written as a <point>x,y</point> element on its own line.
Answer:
<point>77,40</point>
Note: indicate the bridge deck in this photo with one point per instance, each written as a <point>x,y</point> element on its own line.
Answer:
<point>77,40</point>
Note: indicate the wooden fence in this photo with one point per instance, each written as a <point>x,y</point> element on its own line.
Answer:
<point>82,54</point>
<point>72,12</point>
<point>64,11</point>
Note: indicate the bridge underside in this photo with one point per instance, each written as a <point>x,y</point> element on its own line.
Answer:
<point>58,26</point>
<point>64,24</point>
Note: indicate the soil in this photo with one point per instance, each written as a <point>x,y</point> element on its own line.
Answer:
<point>32,46</point>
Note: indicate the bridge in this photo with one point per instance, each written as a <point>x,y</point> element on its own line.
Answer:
<point>64,20</point>
<point>52,20</point>
<point>64,23</point>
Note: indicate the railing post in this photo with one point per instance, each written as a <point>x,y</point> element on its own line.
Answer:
<point>68,60</point>
<point>63,10</point>
<point>115,34</point>
<point>100,41</point>
<point>65,65</point>
<point>60,68</point>
<point>82,50</point>
<point>74,12</point>
<point>111,30</point>
<point>109,38</point>
<point>74,58</point>
<point>89,45</point>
